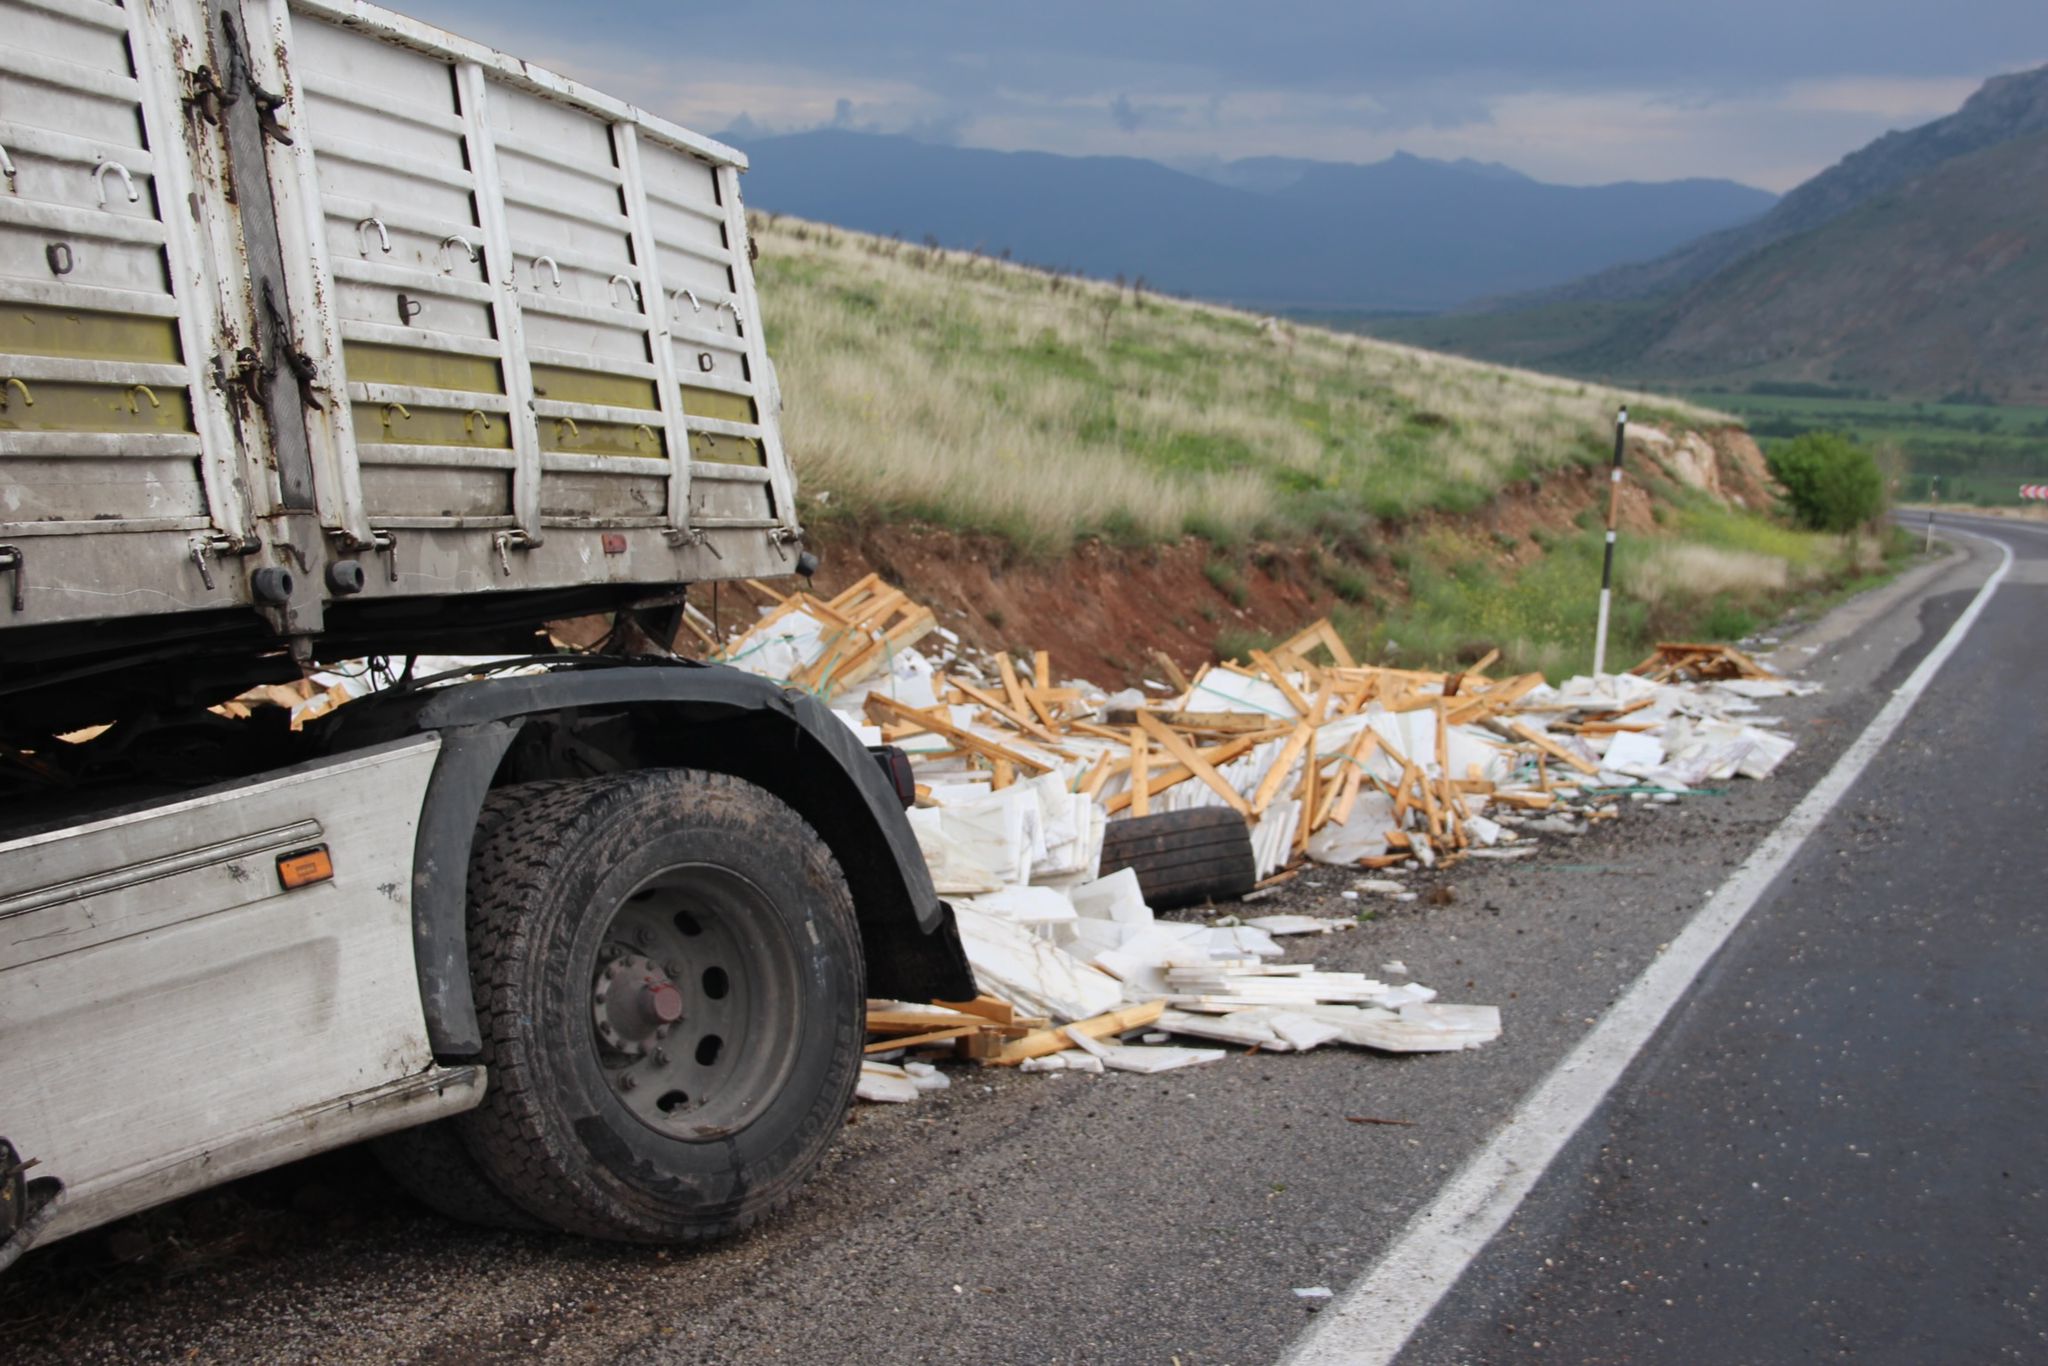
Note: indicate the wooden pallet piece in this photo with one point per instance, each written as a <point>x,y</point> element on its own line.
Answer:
<point>1277,676</point>
<point>1276,776</point>
<point>1522,730</point>
<point>1041,1042</point>
<point>1196,764</point>
<point>1141,772</point>
<point>881,707</point>
<point>1217,756</point>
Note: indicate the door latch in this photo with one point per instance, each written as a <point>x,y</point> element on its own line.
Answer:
<point>12,561</point>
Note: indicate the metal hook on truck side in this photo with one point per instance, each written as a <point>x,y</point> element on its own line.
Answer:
<point>632,289</point>
<point>99,180</point>
<point>7,169</point>
<point>383,237</point>
<point>28,400</point>
<point>553,269</point>
<point>455,239</point>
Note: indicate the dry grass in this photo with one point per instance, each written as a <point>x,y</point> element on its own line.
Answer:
<point>982,395</point>
<point>1680,570</point>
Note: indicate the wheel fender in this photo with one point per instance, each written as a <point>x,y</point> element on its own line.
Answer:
<point>684,715</point>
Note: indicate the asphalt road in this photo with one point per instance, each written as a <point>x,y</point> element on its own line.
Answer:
<point>1021,1218</point>
<point>1835,1149</point>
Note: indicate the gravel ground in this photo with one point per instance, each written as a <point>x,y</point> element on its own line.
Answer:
<point>1058,1218</point>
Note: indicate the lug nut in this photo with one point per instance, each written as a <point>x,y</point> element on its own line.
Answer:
<point>628,1081</point>
<point>661,1057</point>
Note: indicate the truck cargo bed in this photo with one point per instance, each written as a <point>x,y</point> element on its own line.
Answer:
<point>314,319</point>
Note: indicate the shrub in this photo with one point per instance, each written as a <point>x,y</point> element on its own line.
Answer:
<point>1831,484</point>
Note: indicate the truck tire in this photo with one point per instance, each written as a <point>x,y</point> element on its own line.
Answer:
<point>669,978</point>
<point>430,1162</point>
<point>1183,858</point>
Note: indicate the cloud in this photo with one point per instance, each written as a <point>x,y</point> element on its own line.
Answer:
<point>1575,90</point>
<point>1909,98</point>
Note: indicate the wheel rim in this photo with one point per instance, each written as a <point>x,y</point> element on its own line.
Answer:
<point>695,1003</point>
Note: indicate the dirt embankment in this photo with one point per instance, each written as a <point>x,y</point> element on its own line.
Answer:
<point>1103,609</point>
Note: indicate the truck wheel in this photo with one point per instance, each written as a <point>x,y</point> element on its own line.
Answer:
<point>1183,858</point>
<point>669,978</point>
<point>431,1163</point>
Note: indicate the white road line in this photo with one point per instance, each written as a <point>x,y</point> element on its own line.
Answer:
<point>1374,1319</point>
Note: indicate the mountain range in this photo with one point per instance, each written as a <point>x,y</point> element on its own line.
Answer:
<point>1916,266</point>
<point>1270,233</point>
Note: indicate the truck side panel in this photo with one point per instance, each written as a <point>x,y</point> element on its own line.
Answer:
<point>164,1000</point>
<point>514,318</point>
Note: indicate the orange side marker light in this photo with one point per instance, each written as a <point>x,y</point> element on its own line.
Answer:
<point>305,867</point>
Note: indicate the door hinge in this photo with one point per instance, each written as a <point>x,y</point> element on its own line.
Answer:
<point>509,541</point>
<point>219,544</point>
<point>210,95</point>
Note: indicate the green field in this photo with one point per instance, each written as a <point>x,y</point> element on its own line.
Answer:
<point>1980,453</point>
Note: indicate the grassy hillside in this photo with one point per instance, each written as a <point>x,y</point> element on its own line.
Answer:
<point>983,396</point>
<point>1246,474</point>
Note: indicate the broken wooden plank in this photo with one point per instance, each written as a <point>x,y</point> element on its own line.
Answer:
<point>1276,776</point>
<point>1277,676</point>
<point>1039,1043</point>
<point>1173,674</point>
<point>1141,772</point>
<point>1195,763</point>
<point>919,1040</point>
<point>880,706</point>
<point>1522,730</point>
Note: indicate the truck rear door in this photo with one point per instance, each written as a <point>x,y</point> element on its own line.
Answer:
<point>116,446</point>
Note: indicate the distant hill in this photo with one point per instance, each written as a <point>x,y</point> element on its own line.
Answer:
<point>2003,108</point>
<point>1278,234</point>
<point>1939,285</point>
<point>1916,266</point>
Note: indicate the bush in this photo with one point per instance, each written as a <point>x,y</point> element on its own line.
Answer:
<point>1831,484</point>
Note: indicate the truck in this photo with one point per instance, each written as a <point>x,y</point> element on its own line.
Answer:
<point>326,335</point>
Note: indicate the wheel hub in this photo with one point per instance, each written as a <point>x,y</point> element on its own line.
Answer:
<point>695,1002</point>
<point>634,1003</point>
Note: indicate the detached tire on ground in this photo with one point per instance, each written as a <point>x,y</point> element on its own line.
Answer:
<point>1183,858</point>
<point>668,974</point>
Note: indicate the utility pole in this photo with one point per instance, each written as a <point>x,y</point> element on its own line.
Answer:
<point>1607,565</point>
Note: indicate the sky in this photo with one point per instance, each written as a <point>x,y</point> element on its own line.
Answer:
<point>1573,91</point>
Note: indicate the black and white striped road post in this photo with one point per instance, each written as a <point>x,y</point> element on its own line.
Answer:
<point>1607,564</point>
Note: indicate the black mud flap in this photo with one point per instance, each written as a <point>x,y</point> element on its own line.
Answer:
<point>25,1205</point>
